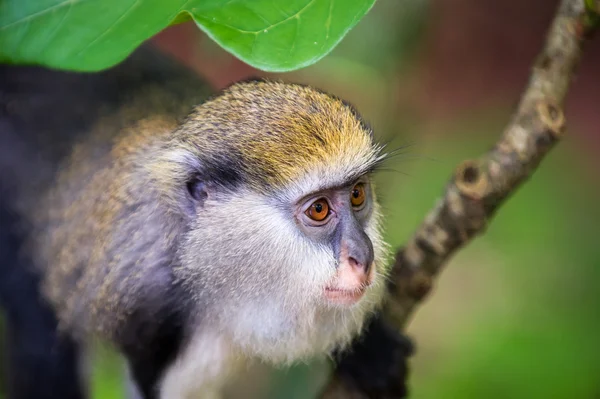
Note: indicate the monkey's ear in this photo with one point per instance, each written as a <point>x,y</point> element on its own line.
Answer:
<point>197,190</point>
<point>177,175</point>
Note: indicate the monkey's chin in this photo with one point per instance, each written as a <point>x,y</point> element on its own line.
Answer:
<point>285,335</point>
<point>343,297</point>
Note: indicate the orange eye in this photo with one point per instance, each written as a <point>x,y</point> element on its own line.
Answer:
<point>318,210</point>
<point>357,197</point>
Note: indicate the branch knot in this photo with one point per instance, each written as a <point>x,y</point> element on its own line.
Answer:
<point>552,117</point>
<point>470,179</point>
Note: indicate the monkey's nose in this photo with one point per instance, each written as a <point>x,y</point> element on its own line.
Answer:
<point>360,266</point>
<point>350,282</point>
<point>360,252</point>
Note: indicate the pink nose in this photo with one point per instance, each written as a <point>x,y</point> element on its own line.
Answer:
<point>358,265</point>
<point>349,284</point>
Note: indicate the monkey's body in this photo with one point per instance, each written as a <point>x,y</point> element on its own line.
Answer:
<point>93,221</point>
<point>45,114</point>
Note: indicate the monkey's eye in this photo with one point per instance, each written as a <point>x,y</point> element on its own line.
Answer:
<point>318,210</point>
<point>357,196</point>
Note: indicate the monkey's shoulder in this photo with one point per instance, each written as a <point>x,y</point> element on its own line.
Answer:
<point>44,113</point>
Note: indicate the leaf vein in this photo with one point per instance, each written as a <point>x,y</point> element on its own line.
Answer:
<point>55,31</point>
<point>293,46</point>
<point>111,27</point>
<point>276,7</point>
<point>242,31</point>
<point>23,33</point>
<point>328,23</point>
<point>253,45</point>
<point>296,15</point>
<point>40,13</point>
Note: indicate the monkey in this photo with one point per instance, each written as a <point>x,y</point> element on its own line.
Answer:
<point>196,231</point>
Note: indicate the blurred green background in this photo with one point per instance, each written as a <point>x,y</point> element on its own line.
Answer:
<point>516,314</point>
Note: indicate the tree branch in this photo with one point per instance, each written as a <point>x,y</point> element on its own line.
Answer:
<point>479,186</point>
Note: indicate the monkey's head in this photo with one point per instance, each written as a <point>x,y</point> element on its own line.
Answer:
<point>283,251</point>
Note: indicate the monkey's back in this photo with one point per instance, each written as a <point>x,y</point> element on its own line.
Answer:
<point>60,129</point>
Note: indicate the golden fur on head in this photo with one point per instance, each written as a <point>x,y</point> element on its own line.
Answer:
<point>278,132</point>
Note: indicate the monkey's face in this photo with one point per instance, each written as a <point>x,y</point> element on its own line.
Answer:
<point>287,276</point>
<point>284,252</point>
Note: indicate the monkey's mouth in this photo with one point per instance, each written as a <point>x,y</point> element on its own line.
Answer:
<point>344,296</point>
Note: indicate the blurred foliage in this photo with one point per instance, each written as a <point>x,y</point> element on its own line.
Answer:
<point>515,313</point>
<point>386,37</point>
<point>93,35</point>
<point>107,379</point>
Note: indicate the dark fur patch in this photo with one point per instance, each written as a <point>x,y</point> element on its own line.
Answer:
<point>376,363</point>
<point>225,171</point>
<point>42,364</point>
<point>151,340</point>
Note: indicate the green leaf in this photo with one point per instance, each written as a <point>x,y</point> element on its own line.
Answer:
<point>91,35</point>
